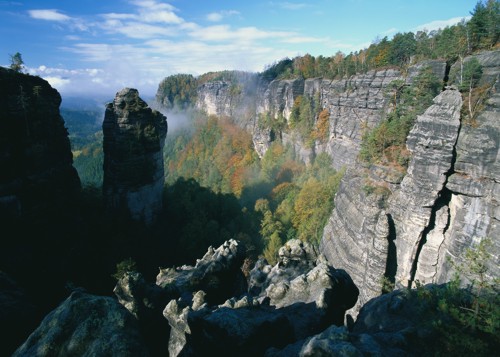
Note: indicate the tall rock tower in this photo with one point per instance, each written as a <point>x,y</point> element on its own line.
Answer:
<point>134,136</point>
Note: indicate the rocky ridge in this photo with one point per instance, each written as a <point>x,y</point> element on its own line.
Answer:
<point>134,136</point>
<point>295,308</point>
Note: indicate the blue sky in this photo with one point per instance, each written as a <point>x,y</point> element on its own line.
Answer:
<point>87,47</point>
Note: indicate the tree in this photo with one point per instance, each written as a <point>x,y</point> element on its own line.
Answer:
<point>403,46</point>
<point>16,62</point>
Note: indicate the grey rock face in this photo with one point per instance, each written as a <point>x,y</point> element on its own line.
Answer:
<point>86,325</point>
<point>369,237</point>
<point>446,203</point>
<point>475,182</point>
<point>356,236</point>
<point>298,297</point>
<point>215,98</point>
<point>432,144</point>
<point>134,136</point>
<point>218,274</point>
<point>279,97</point>
<point>354,104</point>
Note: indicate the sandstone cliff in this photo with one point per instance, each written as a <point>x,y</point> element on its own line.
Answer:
<point>407,229</point>
<point>353,104</point>
<point>134,136</point>
<point>36,161</point>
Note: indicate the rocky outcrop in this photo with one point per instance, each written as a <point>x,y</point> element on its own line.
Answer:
<point>357,235</point>
<point>218,274</point>
<point>418,206</point>
<point>303,276</point>
<point>86,325</point>
<point>134,136</point>
<point>35,156</point>
<point>298,297</point>
<point>384,229</point>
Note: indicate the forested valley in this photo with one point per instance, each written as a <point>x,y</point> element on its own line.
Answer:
<point>265,202</point>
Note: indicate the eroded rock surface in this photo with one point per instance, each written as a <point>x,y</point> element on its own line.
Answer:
<point>134,136</point>
<point>447,202</point>
<point>298,297</point>
<point>432,145</point>
<point>218,274</point>
<point>86,325</point>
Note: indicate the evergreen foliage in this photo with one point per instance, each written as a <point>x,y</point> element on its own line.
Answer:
<point>481,32</point>
<point>465,321</point>
<point>385,143</point>
<point>16,62</point>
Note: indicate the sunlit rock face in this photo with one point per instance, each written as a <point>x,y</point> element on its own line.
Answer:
<point>134,136</point>
<point>446,203</point>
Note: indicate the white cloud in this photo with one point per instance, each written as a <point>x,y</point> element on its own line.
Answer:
<point>141,47</point>
<point>156,12</point>
<point>436,25</point>
<point>218,16</point>
<point>49,15</point>
<point>215,17</point>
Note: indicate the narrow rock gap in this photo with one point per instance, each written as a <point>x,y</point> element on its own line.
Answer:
<point>444,198</point>
<point>446,75</point>
<point>391,265</point>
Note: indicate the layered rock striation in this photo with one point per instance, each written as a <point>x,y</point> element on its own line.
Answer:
<point>353,104</point>
<point>421,203</point>
<point>385,229</point>
<point>134,136</point>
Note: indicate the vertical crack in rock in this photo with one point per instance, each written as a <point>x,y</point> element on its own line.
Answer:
<point>391,265</point>
<point>420,208</point>
<point>442,202</point>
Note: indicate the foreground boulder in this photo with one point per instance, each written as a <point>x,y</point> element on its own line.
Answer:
<point>86,325</point>
<point>427,321</point>
<point>297,298</point>
<point>301,275</point>
<point>218,273</point>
